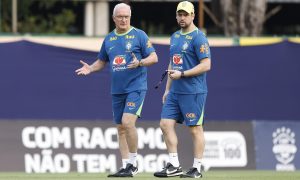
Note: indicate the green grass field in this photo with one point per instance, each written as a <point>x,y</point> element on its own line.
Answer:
<point>211,175</point>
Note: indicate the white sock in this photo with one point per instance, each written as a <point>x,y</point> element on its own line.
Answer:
<point>124,163</point>
<point>173,158</point>
<point>133,159</point>
<point>197,164</point>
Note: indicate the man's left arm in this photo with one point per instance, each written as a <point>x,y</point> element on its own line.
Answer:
<point>202,51</point>
<point>201,68</point>
<point>149,60</point>
<point>148,52</point>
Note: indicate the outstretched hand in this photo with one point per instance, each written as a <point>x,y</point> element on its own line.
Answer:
<point>85,69</point>
<point>134,63</point>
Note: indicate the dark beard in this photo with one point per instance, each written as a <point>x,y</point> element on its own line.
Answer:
<point>182,25</point>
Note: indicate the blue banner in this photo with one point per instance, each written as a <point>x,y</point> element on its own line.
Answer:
<point>245,83</point>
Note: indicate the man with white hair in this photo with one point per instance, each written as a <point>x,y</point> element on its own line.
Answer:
<point>128,52</point>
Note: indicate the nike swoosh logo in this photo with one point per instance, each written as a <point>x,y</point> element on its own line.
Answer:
<point>111,48</point>
<point>170,172</point>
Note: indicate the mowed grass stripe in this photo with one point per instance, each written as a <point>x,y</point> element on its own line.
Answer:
<point>210,175</point>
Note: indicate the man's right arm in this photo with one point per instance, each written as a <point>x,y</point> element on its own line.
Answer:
<point>98,65</point>
<point>87,69</point>
<point>168,85</point>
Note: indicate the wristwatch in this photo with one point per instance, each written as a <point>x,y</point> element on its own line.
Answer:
<point>140,63</point>
<point>182,74</point>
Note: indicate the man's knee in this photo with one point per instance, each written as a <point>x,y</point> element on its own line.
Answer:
<point>165,125</point>
<point>128,120</point>
<point>196,130</point>
<point>162,125</point>
<point>121,129</point>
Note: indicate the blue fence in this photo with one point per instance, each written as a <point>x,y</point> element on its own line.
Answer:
<point>245,83</point>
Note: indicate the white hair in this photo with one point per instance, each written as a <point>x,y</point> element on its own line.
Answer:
<point>120,6</point>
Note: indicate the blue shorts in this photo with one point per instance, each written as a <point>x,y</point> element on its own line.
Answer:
<point>127,103</point>
<point>188,108</point>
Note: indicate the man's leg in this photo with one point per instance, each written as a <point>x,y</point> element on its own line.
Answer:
<point>123,145</point>
<point>132,110</point>
<point>118,102</point>
<point>199,143</point>
<point>123,150</point>
<point>128,142</point>
<point>168,129</point>
<point>173,167</point>
<point>169,117</point>
<point>129,137</point>
<point>192,107</point>
<point>128,122</point>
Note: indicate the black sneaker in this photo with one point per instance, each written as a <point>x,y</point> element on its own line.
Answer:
<point>192,173</point>
<point>129,171</point>
<point>117,174</point>
<point>169,171</point>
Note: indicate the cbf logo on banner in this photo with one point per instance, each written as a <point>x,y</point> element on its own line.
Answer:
<point>277,145</point>
<point>284,148</point>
